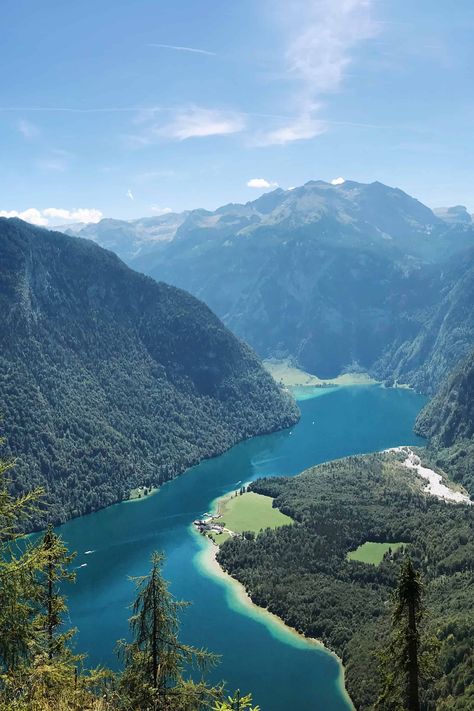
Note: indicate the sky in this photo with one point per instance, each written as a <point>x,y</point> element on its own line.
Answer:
<point>129,108</point>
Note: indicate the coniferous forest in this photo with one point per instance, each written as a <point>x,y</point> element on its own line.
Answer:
<point>110,381</point>
<point>303,574</point>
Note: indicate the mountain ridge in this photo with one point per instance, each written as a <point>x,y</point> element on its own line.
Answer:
<point>332,277</point>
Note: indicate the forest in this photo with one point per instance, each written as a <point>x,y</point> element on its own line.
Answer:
<point>302,574</point>
<point>109,380</point>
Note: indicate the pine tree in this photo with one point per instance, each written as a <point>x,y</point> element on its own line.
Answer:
<point>407,616</point>
<point>407,658</point>
<point>153,678</point>
<point>17,576</point>
<point>55,562</point>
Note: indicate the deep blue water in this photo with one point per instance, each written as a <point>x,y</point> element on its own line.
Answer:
<point>280,670</point>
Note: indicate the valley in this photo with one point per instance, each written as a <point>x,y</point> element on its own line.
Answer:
<point>256,648</point>
<point>237,356</point>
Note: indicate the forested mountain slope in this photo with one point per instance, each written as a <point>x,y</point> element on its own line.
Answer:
<point>448,423</point>
<point>331,276</point>
<point>301,572</point>
<point>109,380</point>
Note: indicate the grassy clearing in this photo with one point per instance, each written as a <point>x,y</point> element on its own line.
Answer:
<point>219,538</point>
<point>141,492</point>
<point>251,512</point>
<point>372,553</point>
<point>291,376</point>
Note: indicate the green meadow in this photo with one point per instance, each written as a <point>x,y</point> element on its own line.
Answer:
<point>251,512</point>
<point>372,553</point>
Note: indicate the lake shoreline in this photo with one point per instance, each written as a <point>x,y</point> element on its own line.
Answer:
<point>207,563</point>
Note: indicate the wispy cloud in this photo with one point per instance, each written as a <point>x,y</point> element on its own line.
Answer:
<point>318,56</point>
<point>130,195</point>
<point>261,184</point>
<point>28,129</point>
<point>178,48</point>
<point>58,161</point>
<point>302,127</point>
<point>53,165</point>
<point>161,210</point>
<point>54,215</point>
<point>189,122</point>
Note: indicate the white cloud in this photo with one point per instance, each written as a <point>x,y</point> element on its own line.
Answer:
<point>81,214</point>
<point>318,56</point>
<point>304,127</point>
<point>197,122</point>
<point>27,129</point>
<point>261,184</point>
<point>161,210</point>
<point>54,215</point>
<point>333,29</point>
<point>30,215</point>
<point>185,123</point>
<point>178,48</point>
<point>129,194</point>
<point>338,181</point>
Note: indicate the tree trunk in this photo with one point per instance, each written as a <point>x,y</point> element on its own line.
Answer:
<point>413,671</point>
<point>50,622</point>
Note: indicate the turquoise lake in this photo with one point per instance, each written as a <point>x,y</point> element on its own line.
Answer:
<point>282,671</point>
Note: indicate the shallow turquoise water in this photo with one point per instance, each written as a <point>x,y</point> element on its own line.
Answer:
<point>281,671</point>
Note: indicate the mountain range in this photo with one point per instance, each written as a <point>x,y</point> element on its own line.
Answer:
<point>334,277</point>
<point>109,380</point>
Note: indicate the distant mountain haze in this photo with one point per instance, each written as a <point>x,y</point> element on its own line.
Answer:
<point>109,380</point>
<point>334,277</point>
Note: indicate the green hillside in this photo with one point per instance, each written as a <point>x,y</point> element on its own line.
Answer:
<point>109,380</point>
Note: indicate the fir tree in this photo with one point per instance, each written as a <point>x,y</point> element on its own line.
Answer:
<point>153,678</point>
<point>408,658</point>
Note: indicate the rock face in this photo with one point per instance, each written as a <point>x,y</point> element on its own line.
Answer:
<point>109,380</point>
<point>449,417</point>
<point>448,423</point>
<point>331,276</point>
<point>457,214</point>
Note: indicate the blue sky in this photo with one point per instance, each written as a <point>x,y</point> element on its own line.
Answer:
<point>126,108</point>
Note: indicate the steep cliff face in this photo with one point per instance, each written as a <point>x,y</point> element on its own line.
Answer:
<point>109,380</point>
<point>449,417</point>
<point>435,336</point>
<point>448,423</point>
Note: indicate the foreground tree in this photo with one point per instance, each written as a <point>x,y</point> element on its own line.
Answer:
<point>407,615</point>
<point>236,703</point>
<point>18,567</point>
<point>55,562</point>
<point>155,661</point>
<point>38,670</point>
<point>407,657</point>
